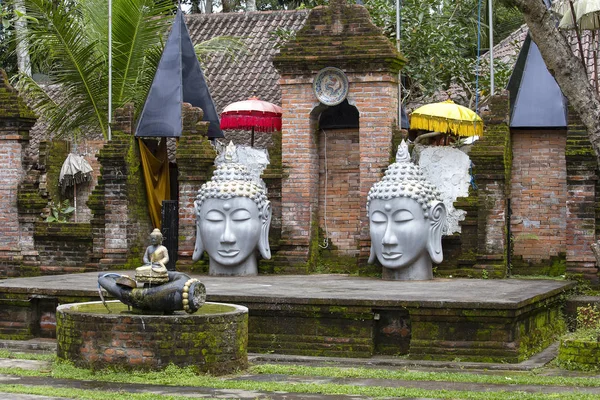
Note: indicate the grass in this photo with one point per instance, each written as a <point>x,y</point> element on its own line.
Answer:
<point>27,356</point>
<point>522,378</point>
<point>174,376</point>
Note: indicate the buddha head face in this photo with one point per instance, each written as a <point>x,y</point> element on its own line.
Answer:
<point>406,218</point>
<point>156,237</point>
<point>233,217</point>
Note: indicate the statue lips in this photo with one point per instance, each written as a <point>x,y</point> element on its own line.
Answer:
<point>391,255</point>
<point>228,252</point>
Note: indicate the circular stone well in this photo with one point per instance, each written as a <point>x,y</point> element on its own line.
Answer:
<point>213,340</point>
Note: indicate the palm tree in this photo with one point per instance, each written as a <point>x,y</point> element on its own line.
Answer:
<point>69,43</point>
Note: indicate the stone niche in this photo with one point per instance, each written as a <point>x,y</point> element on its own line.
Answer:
<point>329,167</point>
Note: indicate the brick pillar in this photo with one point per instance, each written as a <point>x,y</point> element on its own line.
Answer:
<point>491,157</point>
<point>195,161</point>
<point>120,222</point>
<point>376,97</point>
<point>343,36</point>
<point>272,176</point>
<point>299,186</point>
<point>16,120</point>
<point>112,157</point>
<point>582,197</point>
<point>538,200</point>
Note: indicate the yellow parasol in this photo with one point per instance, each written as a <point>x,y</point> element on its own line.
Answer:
<point>447,117</point>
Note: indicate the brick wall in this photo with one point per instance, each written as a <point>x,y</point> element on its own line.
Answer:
<point>582,200</point>
<point>339,189</point>
<point>63,247</point>
<point>16,120</point>
<point>539,194</point>
<point>299,187</point>
<point>343,36</point>
<point>301,208</point>
<point>195,158</point>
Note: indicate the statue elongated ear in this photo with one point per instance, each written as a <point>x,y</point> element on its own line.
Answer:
<point>263,242</point>
<point>199,246</point>
<point>437,218</point>
<point>371,254</point>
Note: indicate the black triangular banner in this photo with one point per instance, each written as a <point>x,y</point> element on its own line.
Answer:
<point>178,79</point>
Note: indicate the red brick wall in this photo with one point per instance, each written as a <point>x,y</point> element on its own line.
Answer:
<point>12,174</point>
<point>539,194</point>
<point>339,200</point>
<point>375,97</point>
<point>299,186</point>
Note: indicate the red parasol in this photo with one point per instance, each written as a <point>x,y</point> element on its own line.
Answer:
<point>253,114</point>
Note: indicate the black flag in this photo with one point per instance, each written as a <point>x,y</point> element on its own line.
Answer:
<point>178,79</point>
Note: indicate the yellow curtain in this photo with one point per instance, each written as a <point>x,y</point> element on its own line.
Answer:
<point>156,178</point>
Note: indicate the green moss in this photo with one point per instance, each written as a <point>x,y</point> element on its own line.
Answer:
<point>57,152</point>
<point>553,266</point>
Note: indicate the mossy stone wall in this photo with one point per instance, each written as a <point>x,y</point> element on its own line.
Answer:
<point>486,335</point>
<point>63,247</point>
<point>195,164</point>
<point>582,202</point>
<point>312,330</point>
<point>480,250</point>
<point>579,354</point>
<point>210,342</point>
<point>16,120</point>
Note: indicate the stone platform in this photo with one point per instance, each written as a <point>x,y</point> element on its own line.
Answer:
<point>339,315</point>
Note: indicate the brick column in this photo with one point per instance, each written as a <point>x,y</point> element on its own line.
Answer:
<point>343,36</point>
<point>16,119</point>
<point>376,97</point>
<point>582,197</point>
<point>491,157</point>
<point>195,160</point>
<point>112,157</point>
<point>299,186</point>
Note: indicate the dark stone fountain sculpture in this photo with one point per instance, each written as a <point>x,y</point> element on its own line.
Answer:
<point>154,288</point>
<point>170,323</point>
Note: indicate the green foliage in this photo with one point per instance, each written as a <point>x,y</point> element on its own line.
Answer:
<point>588,323</point>
<point>69,44</point>
<point>60,212</point>
<point>8,58</point>
<point>439,39</point>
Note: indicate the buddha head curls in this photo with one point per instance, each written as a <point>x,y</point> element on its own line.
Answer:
<point>231,180</point>
<point>405,179</point>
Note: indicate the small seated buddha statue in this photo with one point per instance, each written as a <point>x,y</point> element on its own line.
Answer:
<point>406,221</point>
<point>233,217</point>
<point>156,256</point>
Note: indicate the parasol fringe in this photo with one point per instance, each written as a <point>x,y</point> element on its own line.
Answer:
<point>442,124</point>
<point>263,123</point>
<point>70,180</point>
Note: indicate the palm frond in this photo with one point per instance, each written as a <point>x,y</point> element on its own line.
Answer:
<point>146,76</point>
<point>73,61</point>
<point>230,46</point>
<point>137,26</point>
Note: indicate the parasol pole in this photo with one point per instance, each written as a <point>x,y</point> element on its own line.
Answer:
<point>75,198</point>
<point>398,25</point>
<point>491,26</point>
<point>109,68</point>
<point>252,137</point>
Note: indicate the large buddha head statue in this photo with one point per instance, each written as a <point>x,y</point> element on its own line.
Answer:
<point>406,219</point>
<point>233,217</point>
